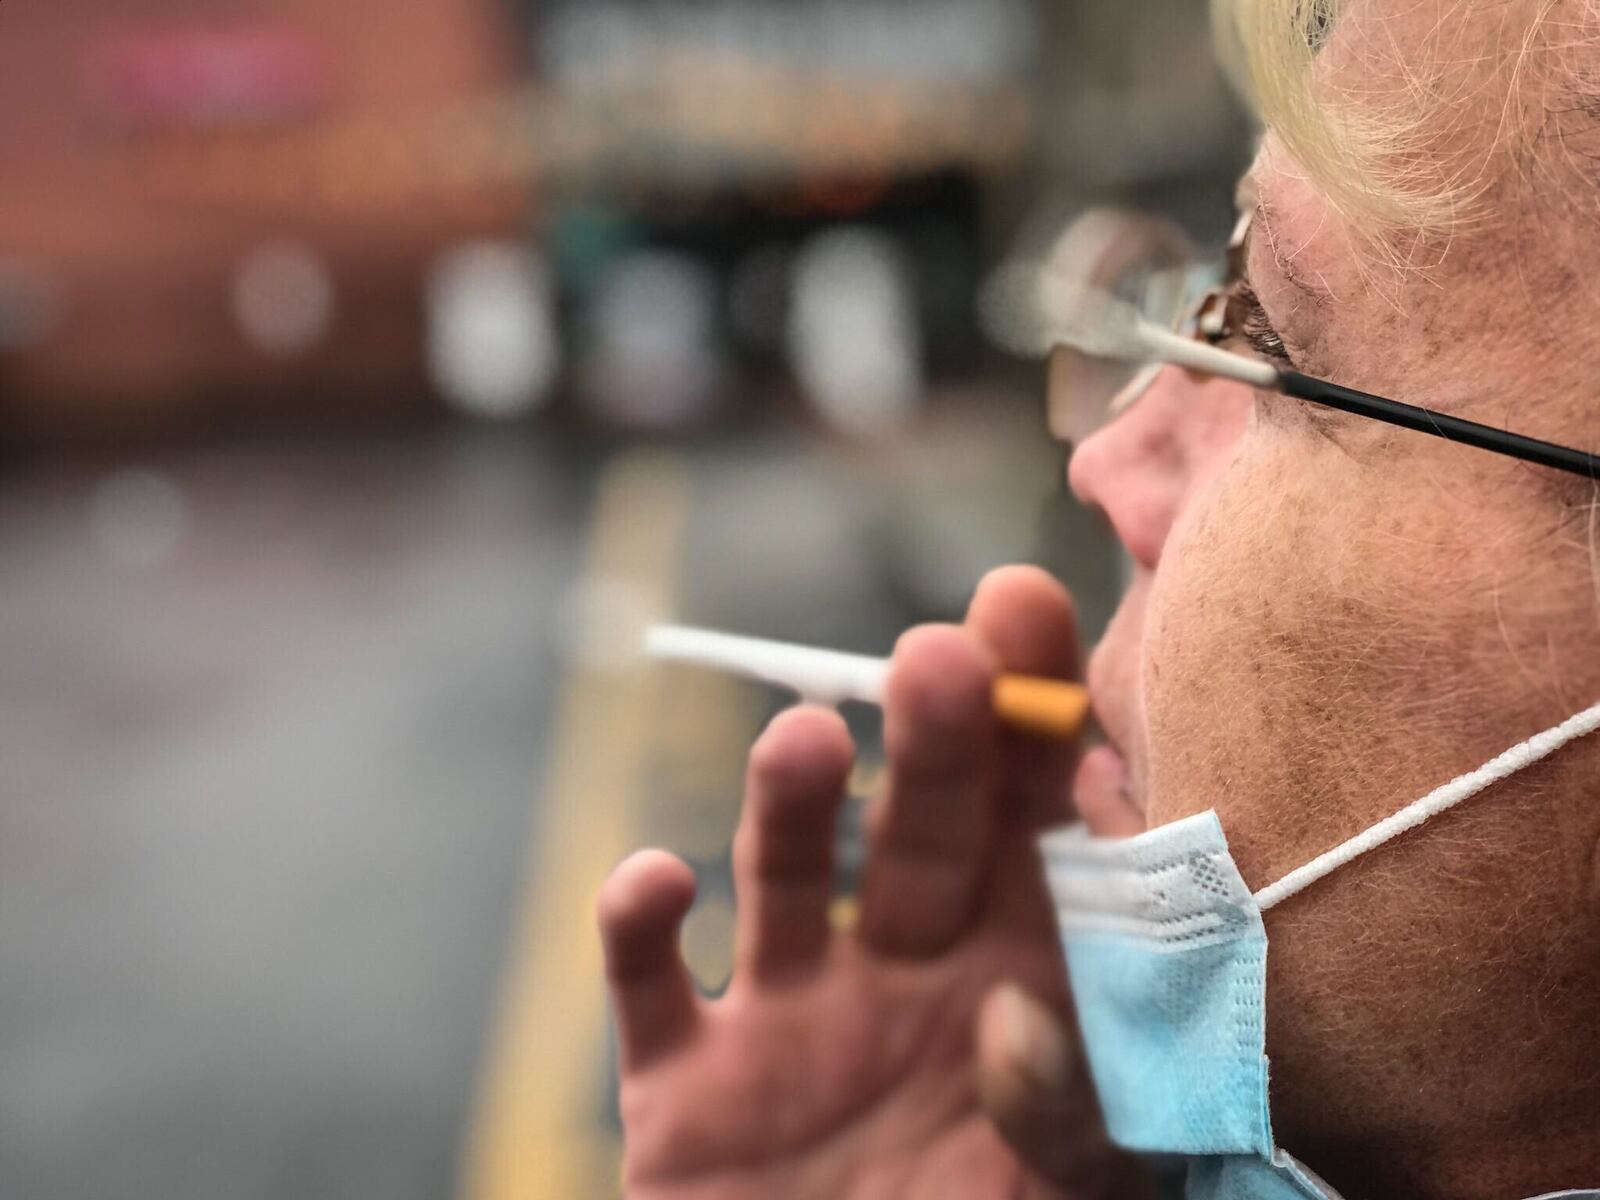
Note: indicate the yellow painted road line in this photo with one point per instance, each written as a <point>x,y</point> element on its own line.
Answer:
<point>535,1133</point>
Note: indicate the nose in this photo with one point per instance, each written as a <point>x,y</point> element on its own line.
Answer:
<point>1142,467</point>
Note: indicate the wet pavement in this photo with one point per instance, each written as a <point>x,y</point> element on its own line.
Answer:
<point>274,726</point>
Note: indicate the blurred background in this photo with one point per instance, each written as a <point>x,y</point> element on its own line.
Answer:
<point>369,372</point>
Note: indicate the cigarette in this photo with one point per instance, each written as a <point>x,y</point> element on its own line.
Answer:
<point>1044,708</point>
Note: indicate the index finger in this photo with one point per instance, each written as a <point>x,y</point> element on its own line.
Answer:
<point>1029,623</point>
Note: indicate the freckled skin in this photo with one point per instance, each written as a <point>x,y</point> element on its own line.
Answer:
<point>1338,618</point>
<point>1339,623</point>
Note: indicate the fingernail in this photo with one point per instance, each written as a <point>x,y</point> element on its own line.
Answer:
<point>1034,1040</point>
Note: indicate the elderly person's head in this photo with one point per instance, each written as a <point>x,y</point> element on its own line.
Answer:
<point>1332,617</point>
<point>1329,618</point>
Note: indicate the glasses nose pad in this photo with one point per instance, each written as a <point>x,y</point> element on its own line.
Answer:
<point>1078,390</point>
<point>1136,389</point>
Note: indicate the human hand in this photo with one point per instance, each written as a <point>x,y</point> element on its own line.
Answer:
<point>859,1063</point>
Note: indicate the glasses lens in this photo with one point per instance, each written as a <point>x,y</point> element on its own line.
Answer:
<point>1143,261</point>
<point>1085,392</point>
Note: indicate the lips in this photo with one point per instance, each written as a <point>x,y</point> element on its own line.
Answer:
<point>1110,684</point>
<point>1103,793</point>
<point>1104,770</point>
<point>1110,779</point>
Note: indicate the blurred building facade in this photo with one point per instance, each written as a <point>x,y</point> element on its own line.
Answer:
<point>189,236</point>
<point>284,213</point>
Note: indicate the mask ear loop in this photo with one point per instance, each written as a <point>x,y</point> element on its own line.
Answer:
<point>1447,797</point>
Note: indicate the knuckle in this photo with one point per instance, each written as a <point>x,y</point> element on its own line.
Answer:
<point>804,755</point>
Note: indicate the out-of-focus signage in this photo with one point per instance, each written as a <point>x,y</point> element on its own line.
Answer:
<point>952,40</point>
<point>206,77</point>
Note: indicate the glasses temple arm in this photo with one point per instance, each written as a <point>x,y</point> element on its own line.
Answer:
<point>1452,429</point>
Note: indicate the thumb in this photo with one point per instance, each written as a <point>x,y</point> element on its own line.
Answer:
<point>1035,1086</point>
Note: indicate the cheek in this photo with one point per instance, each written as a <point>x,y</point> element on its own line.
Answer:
<point>1193,626</point>
<point>1327,641</point>
<point>1243,637</point>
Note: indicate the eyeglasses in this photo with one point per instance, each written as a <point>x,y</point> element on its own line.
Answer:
<point>1149,264</point>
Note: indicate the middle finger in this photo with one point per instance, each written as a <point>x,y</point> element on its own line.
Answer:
<point>930,843</point>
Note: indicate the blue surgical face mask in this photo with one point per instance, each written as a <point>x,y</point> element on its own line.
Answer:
<point>1167,952</point>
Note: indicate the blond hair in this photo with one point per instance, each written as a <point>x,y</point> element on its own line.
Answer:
<point>1406,152</point>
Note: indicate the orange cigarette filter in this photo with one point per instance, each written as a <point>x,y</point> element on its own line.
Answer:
<point>1047,708</point>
